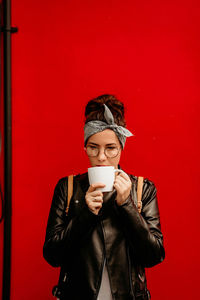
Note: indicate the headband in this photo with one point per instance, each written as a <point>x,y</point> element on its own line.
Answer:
<point>96,126</point>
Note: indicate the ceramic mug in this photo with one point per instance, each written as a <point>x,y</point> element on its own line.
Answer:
<point>105,174</point>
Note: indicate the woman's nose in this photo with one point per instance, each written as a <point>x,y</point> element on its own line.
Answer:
<point>102,155</point>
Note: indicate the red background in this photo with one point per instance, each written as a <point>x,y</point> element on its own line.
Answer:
<point>146,53</point>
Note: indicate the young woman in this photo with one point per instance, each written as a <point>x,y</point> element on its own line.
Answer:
<point>104,244</point>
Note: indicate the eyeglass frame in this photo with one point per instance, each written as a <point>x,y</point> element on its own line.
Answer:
<point>104,151</point>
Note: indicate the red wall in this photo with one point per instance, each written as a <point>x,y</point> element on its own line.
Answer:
<point>145,52</point>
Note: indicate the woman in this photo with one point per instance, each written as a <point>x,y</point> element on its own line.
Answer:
<point>104,244</point>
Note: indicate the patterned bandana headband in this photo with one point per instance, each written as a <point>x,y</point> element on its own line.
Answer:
<point>93,127</point>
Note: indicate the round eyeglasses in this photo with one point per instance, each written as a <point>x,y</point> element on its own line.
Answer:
<point>110,151</point>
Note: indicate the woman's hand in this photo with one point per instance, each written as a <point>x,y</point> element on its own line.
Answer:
<point>123,186</point>
<point>93,198</point>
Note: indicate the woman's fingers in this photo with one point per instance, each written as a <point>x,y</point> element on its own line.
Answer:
<point>123,176</point>
<point>95,206</point>
<point>96,193</point>
<point>121,180</point>
<point>119,186</point>
<point>94,198</point>
<point>97,199</point>
<point>122,185</point>
<point>124,179</point>
<point>94,186</point>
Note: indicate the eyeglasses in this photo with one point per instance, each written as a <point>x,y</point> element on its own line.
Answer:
<point>110,151</point>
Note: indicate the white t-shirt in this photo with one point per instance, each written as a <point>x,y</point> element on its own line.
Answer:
<point>105,291</point>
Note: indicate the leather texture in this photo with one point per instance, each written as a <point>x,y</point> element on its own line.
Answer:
<point>80,242</point>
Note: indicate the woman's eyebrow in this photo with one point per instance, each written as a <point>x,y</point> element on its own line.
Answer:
<point>91,143</point>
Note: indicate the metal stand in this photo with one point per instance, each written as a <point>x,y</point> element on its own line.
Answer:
<point>7,31</point>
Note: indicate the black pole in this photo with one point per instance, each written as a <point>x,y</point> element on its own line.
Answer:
<point>8,151</point>
<point>7,31</point>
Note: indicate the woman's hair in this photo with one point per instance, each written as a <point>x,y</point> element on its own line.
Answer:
<point>95,109</point>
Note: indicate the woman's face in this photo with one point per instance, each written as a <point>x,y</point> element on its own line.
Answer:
<point>106,139</point>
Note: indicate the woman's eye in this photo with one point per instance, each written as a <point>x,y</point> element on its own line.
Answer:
<point>93,147</point>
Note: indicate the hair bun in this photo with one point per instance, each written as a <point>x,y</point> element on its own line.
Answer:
<point>95,109</point>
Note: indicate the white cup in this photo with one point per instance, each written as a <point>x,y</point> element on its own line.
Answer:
<point>104,175</point>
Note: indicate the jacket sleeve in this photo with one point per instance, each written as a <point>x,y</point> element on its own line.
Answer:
<point>64,234</point>
<point>143,230</point>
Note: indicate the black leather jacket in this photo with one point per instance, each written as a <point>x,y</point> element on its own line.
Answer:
<point>81,241</point>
